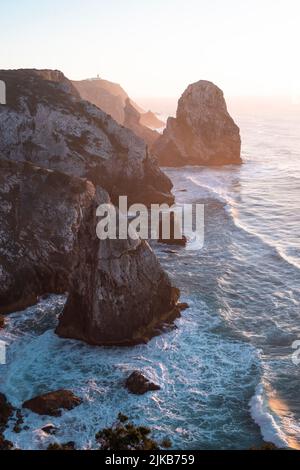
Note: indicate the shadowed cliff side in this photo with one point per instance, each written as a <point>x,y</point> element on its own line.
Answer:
<point>46,123</point>
<point>118,292</point>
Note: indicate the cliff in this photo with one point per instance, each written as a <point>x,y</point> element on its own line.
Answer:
<point>203,132</point>
<point>118,292</point>
<point>132,120</point>
<point>112,98</point>
<point>46,123</point>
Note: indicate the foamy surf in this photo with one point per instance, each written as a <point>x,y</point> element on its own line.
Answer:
<point>273,417</point>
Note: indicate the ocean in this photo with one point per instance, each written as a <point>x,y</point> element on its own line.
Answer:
<point>227,375</point>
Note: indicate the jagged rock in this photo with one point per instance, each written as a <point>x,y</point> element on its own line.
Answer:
<point>203,133</point>
<point>183,306</point>
<point>2,321</point>
<point>150,119</point>
<point>49,429</point>
<point>4,444</point>
<point>132,120</point>
<point>46,123</point>
<point>6,411</point>
<point>52,403</point>
<point>138,384</point>
<point>111,98</point>
<point>118,292</point>
<point>131,295</point>
<point>66,446</point>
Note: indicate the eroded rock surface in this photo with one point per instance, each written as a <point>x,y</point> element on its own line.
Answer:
<point>52,403</point>
<point>45,122</point>
<point>118,292</point>
<point>202,133</point>
<point>138,384</point>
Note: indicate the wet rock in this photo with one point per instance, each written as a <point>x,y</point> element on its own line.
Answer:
<point>4,444</point>
<point>202,133</point>
<point>66,446</point>
<point>6,411</point>
<point>183,306</point>
<point>2,321</point>
<point>49,429</point>
<point>52,403</point>
<point>138,384</point>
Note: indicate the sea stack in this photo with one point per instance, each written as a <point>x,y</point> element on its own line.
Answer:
<point>203,132</point>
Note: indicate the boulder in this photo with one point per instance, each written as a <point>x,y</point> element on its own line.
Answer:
<point>138,384</point>
<point>202,133</point>
<point>49,429</point>
<point>52,403</point>
<point>45,122</point>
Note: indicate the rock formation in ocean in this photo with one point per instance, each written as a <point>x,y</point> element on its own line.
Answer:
<point>138,384</point>
<point>46,122</point>
<point>132,120</point>
<point>203,132</point>
<point>118,292</point>
<point>52,403</point>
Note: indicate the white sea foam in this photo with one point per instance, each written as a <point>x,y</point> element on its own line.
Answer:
<point>262,415</point>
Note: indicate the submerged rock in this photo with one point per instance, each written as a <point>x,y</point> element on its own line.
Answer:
<point>138,384</point>
<point>202,133</point>
<point>45,122</point>
<point>53,403</point>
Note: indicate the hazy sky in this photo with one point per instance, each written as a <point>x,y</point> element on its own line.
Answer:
<point>158,47</point>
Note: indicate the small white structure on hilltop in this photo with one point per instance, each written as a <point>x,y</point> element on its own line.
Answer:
<point>95,78</point>
<point>2,92</point>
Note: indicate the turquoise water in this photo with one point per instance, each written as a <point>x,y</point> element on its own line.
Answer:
<point>226,370</point>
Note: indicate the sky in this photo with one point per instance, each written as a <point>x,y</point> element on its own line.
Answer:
<point>155,48</point>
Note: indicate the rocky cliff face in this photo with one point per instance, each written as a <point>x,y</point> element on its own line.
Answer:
<point>111,98</point>
<point>132,120</point>
<point>46,123</point>
<point>108,96</point>
<point>203,133</point>
<point>118,292</point>
<point>40,213</point>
